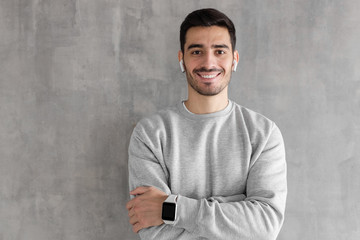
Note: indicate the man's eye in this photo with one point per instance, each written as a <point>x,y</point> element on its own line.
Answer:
<point>196,52</point>
<point>220,52</point>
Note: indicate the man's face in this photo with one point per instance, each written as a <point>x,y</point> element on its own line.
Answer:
<point>208,59</point>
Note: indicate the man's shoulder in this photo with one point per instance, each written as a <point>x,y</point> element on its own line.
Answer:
<point>253,120</point>
<point>158,119</point>
<point>252,115</point>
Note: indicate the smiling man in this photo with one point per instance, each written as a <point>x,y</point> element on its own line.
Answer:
<point>209,60</point>
<point>207,168</point>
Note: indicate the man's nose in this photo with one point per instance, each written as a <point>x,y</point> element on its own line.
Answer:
<point>209,60</point>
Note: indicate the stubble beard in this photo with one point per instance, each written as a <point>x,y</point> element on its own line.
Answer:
<point>209,90</point>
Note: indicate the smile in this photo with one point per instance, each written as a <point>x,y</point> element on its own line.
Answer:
<point>208,76</point>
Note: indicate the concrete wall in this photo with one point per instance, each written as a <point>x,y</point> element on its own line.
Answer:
<point>76,75</point>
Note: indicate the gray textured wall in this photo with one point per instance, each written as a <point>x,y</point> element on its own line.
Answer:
<point>76,75</point>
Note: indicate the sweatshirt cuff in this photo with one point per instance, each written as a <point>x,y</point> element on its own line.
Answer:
<point>187,210</point>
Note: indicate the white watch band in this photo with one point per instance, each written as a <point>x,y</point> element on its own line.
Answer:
<point>171,198</point>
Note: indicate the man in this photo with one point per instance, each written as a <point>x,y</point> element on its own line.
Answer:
<point>207,168</point>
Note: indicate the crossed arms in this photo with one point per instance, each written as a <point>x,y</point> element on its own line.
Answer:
<point>256,214</point>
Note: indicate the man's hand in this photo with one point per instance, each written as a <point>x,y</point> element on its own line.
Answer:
<point>146,208</point>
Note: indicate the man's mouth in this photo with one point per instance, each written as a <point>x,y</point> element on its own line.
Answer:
<point>208,75</point>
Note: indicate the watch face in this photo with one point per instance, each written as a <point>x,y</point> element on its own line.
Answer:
<point>168,211</point>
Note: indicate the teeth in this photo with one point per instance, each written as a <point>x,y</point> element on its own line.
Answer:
<point>208,76</point>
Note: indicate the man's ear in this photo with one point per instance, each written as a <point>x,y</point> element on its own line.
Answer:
<point>181,61</point>
<point>180,55</point>
<point>236,60</point>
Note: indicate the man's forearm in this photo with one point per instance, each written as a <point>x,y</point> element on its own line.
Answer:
<point>226,199</point>
<point>253,218</point>
<point>215,219</point>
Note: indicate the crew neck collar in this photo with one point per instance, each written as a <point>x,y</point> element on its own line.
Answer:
<point>184,111</point>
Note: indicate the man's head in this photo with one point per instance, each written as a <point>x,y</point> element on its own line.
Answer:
<point>206,18</point>
<point>207,39</point>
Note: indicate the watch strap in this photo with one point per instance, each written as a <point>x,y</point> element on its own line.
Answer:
<point>172,198</point>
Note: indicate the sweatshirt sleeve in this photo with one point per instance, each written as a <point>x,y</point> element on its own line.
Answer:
<point>258,214</point>
<point>145,169</point>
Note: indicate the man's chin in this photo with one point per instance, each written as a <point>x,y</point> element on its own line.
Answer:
<point>208,92</point>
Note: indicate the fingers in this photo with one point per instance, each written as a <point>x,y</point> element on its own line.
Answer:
<point>133,220</point>
<point>137,227</point>
<point>131,212</point>
<point>129,204</point>
<point>139,190</point>
<point>145,209</point>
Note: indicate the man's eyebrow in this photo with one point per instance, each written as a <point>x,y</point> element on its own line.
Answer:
<point>220,46</point>
<point>212,46</point>
<point>195,46</point>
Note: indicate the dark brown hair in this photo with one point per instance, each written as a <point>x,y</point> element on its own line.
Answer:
<point>207,17</point>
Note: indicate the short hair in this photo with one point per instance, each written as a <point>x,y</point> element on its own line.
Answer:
<point>207,17</point>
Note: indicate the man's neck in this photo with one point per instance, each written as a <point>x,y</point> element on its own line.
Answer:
<point>200,104</point>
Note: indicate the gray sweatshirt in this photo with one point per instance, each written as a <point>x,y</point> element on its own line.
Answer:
<point>227,167</point>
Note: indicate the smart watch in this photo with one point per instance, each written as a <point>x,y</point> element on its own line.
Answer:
<point>169,209</point>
